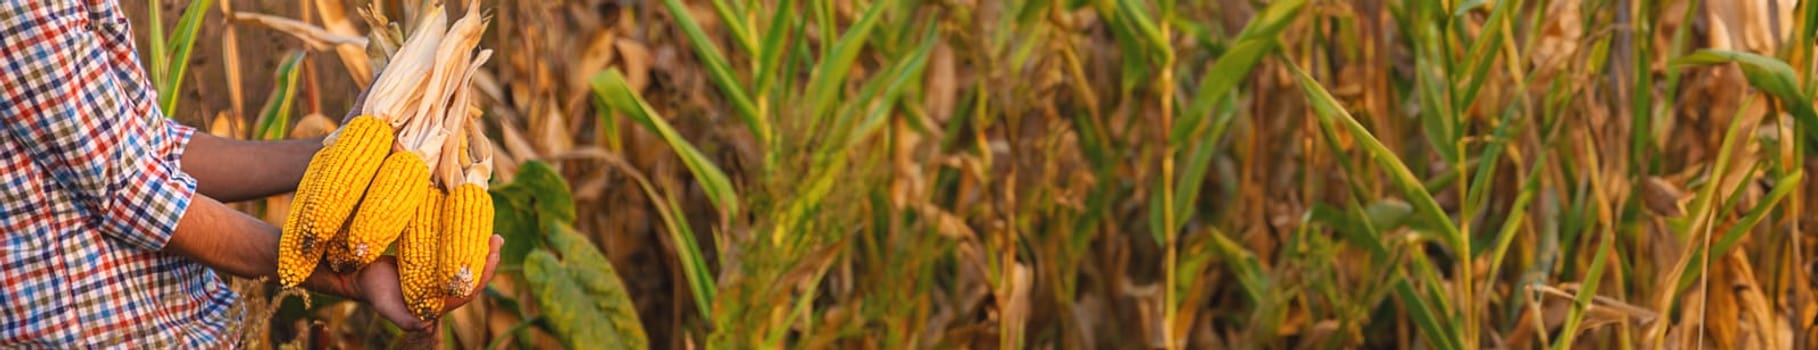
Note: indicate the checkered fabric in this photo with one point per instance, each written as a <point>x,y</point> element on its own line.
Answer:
<point>90,191</point>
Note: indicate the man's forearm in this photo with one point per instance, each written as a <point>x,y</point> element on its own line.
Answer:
<point>237,170</point>
<point>233,242</point>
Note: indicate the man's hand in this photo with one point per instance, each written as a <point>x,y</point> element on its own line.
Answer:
<point>377,284</point>
<point>238,244</point>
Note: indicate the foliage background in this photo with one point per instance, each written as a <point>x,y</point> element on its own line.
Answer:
<point>1092,173</point>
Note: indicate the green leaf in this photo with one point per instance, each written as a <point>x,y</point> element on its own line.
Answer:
<point>535,196</point>
<point>1332,116</point>
<point>717,69</point>
<point>610,87</point>
<point>1138,19</point>
<point>274,119</point>
<point>1218,81</point>
<point>776,43</point>
<point>1361,227</point>
<point>582,297</point>
<point>1424,317</point>
<point>694,265</point>
<point>1771,76</point>
<point>1484,50</point>
<point>159,65</point>
<point>1782,187</point>
<point>548,188</point>
<point>1586,292</point>
<point>181,43</point>
<point>735,25</point>
<point>1251,276</point>
<point>828,79</point>
<point>515,219</point>
<point>1460,9</point>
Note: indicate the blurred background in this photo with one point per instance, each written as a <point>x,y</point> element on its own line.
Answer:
<point>1068,174</point>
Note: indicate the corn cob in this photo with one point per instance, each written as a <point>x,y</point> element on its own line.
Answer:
<point>468,227</point>
<point>332,184</point>
<point>396,189</point>
<point>418,253</point>
<point>337,250</point>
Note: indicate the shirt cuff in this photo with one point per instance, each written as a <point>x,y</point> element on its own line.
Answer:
<point>154,194</point>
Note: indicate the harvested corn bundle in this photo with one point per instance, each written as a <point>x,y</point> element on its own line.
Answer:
<point>375,181</point>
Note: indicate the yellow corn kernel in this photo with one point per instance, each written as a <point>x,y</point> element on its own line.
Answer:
<point>331,186</point>
<point>297,257</point>
<point>465,236</point>
<point>418,254</point>
<point>398,188</point>
<point>337,251</point>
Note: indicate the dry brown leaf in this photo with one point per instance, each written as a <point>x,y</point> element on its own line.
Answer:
<point>634,58</point>
<point>276,207</point>
<point>515,143</point>
<point>313,125</point>
<point>316,37</point>
<point>598,53</point>
<point>224,125</point>
<point>334,20</point>
<point>947,224</point>
<point>1016,304</point>
<point>504,165</point>
<point>1602,310</point>
<point>1663,197</point>
<point>230,62</point>
<point>469,325</point>
<point>551,131</point>
<point>941,90</point>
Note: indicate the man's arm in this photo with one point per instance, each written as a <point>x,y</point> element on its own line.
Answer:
<point>236,243</point>
<point>233,242</point>
<point>237,170</point>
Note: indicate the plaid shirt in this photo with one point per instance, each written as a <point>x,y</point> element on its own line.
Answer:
<point>90,191</point>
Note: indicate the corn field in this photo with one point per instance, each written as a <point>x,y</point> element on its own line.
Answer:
<point>1067,174</point>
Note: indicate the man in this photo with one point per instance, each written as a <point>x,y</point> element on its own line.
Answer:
<point>112,226</point>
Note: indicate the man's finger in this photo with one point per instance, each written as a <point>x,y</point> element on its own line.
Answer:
<point>492,262</point>
<point>492,258</point>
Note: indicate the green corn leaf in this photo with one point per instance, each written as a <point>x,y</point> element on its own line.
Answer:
<point>274,119</point>
<point>828,79</point>
<point>1770,75</point>
<point>1257,39</point>
<point>735,24</point>
<point>181,43</point>
<point>155,12</point>
<point>1478,190</point>
<point>1138,19</point>
<point>1782,187</point>
<point>1586,291</point>
<point>1425,317</point>
<point>694,264</point>
<point>899,77</point>
<point>719,70</point>
<point>1251,277</point>
<point>1460,9</point>
<point>610,87</point>
<point>1483,51</point>
<point>771,53</point>
<point>1332,115</point>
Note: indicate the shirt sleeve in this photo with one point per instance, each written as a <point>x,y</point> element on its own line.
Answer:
<point>67,99</point>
